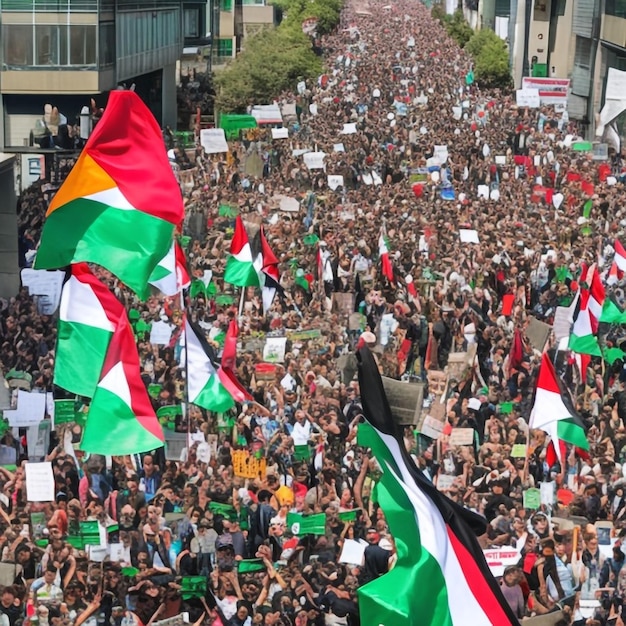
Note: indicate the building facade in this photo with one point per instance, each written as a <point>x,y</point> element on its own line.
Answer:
<point>63,53</point>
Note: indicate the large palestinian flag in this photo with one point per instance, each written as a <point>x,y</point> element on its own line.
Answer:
<point>120,203</point>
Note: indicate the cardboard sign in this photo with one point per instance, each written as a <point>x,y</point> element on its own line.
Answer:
<point>280,133</point>
<point>538,333</point>
<point>63,411</point>
<point>405,400</point>
<point>432,427</point>
<point>499,559</point>
<point>445,482</point>
<point>461,437</point>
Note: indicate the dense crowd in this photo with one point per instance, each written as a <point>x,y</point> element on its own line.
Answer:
<point>510,174</point>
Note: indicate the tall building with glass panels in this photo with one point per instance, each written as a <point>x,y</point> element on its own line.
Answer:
<point>65,52</point>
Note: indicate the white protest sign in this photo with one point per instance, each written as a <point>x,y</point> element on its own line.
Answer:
<point>500,159</point>
<point>46,285</point>
<point>39,482</point>
<point>314,160</point>
<point>615,84</point>
<point>528,98</point>
<point>30,410</point>
<point>441,153</point>
<point>432,427</point>
<point>280,133</point>
<point>313,110</point>
<point>335,181</point>
<point>274,349</point>
<point>367,179</point>
<point>213,140</point>
<point>160,333</point>
<point>301,87</point>
<point>461,437</point>
<point>376,178</point>
<point>468,235</point>
<point>348,129</point>
<point>338,147</point>
<point>352,552</point>
<point>483,191</point>
<point>444,482</point>
<point>499,559</point>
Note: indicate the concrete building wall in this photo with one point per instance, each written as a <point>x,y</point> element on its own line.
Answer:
<point>562,56</point>
<point>9,268</point>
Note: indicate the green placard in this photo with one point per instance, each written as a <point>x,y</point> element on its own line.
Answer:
<point>532,498</point>
<point>518,451</point>
<point>154,390</point>
<point>506,408</point>
<point>167,415</point>
<point>306,524</point>
<point>227,510</point>
<point>250,565</point>
<point>349,516</point>
<point>64,411</point>
<point>192,587</point>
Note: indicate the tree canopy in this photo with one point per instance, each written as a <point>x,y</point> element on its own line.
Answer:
<point>276,58</point>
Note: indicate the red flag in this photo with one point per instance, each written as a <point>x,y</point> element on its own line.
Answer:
<point>229,354</point>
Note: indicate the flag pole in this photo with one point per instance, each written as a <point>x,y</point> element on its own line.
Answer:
<point>186,389</point>
<point>242,301</point>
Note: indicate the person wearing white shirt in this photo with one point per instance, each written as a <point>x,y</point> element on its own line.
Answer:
<point>301,432</point>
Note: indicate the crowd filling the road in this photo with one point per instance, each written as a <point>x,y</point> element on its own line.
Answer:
<point>479,202</point>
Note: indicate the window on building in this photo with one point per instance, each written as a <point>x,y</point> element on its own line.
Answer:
<point>582,54</point>
<point>225,48</point>
<point>82,44</point>
<point>51,44</point>
<point>616,8</point>
<point>17,48</point>
<point>107,44</point>
<point>191,23</point>
<point>226,5</point>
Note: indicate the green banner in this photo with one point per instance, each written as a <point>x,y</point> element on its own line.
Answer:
<point>250,565</point>
<point>193,587</point>
<point>64,411</point>
<point>349,516</point>
<point>227,510</point>
<point>154,390</point>
<point>307,524</point>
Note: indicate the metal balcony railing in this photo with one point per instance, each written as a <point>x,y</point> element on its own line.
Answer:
<point>50,6</point>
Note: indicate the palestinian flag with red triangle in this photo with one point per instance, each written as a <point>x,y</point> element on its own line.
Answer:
<point>620,255</point>
<point>121,419</point>
<point>554,413</point>
<point>241,267</point>
<point>226,372</point>
<point>270,275</point>
<point>120,204</point>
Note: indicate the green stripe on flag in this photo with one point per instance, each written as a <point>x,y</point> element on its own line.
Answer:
<point>302,453</point>
<point>587,208</point>
<point>396,598</point>
<point>571,432</point>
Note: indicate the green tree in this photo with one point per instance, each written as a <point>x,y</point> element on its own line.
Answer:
<point>459,29</point>
<point>491,67</point>
<point>479,39</point>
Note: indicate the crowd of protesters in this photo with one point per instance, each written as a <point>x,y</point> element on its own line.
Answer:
<point>510,174</point>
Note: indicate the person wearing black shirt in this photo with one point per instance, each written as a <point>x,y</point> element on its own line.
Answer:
<point>8,606</point>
